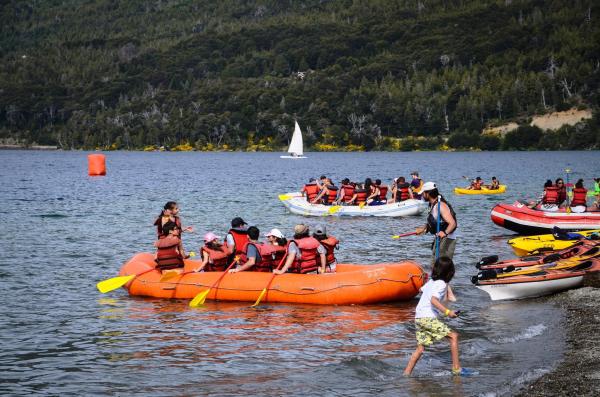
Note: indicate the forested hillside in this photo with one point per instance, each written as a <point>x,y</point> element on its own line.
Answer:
<point>224,74</point>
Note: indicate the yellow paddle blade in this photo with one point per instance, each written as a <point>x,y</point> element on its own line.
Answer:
<point>334,209</point>
<point>192,254</point>
<point>284,197</point>
<point>361,205</point>
<point>113,283</point>
<point>168,275</point>
<point>199,299</point>
<point>396,237</point>
<point>262,295</point>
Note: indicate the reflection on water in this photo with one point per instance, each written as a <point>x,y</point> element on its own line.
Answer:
<point>65,231</point>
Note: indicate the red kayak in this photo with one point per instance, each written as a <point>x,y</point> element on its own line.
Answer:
<point>523,220</point>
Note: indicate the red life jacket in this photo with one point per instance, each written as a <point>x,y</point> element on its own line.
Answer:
<point>348,193</point>
<point>383,192</point>
<point>551,196</point>
<point>330,244</point>
<point>240,237</point>
<point>269,256</point>
<point>402,192</point>
<point>308,261</point>
<point>332,194</point>
<point>477,185</point>
<point>312,191</point>
<point>361,196</point>
<point>218,259</point>
<point>579,197</point>
<point>167,256</point>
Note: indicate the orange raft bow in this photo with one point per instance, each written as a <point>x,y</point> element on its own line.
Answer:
<point>350,284</point>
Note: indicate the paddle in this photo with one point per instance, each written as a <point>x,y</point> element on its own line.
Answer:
<point>437,235</point>
<point>404,235</point>
<point>201,297</point>
<point>117,282</point>
<point>264,291</point>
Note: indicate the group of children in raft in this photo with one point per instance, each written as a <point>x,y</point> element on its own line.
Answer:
<point>554,197</point>
<point>304,254</point>
<point>324,191</point>
<point>242,251</point>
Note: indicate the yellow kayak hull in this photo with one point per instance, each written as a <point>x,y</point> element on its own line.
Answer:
<point>459,190</point>
<point>523,246</point>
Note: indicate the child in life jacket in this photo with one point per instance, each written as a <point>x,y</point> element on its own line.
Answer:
<point>495,185</point>
<point>170,212</point>
<point>430,328</point>
<point>579,201</point>
<point>304,254</point>
<point>214,254</point>
<point>169,248</point>
<point>330,244</point>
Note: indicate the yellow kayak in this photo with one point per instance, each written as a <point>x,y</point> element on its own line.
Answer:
<point>460,190</point>
<point>523,246</point>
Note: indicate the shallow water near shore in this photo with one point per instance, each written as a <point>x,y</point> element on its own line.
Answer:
<point>64,231</point>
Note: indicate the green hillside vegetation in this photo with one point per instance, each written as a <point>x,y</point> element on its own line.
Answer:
<point>357,75</point>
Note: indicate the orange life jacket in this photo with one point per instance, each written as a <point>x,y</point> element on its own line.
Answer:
<point>361,196</point>
<point>308,261</point>
<point>551,196</point>
<point>312,191</point>
<point>240,237</point>
<point>383,192</point>
<point>579,197</point>
<point>332,192</point>
<point>402,192</point>
<point>330,244</point>
<point>476,185</point>
<point>348,193</point>
<point>167,256</point>
<point>218,259</point>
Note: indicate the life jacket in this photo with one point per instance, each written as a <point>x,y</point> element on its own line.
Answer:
<point>383,192</point>
<point>332,194</point>
<point>348,193</point>
<point>402,192</point>
<point>579,197</point>
<point>308,261</point>
<point>312,191</point>
<point>330,244</point>
<point>432,220</point>
<point>562,195</point>
<point>167,256</point>
<point>218,259</point>
<point>361,196</point>
<point>240,238</point>
<point>159,225</point>
<point>551,196</point>
<point>269,256</point>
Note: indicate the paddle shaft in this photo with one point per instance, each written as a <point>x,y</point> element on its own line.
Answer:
<point>437,234</point>
<point>404,235</point>
<point>264,291</point>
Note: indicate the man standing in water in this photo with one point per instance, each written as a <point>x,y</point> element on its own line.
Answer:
<point>443,226</point>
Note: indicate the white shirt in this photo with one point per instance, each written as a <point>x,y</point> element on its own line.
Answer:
<point>433,288</point>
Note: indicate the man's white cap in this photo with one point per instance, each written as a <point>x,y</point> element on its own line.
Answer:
<point>427,186</point>
<point>275,233</point>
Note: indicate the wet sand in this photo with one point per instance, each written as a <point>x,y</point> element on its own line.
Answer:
<point>579,373</point>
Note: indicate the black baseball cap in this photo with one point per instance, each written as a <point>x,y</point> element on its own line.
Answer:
<point>237,222</point>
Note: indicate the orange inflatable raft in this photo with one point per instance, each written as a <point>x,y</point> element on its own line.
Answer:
<point>351,284</point>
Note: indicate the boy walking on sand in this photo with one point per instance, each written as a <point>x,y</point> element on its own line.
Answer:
<point>429,328</point>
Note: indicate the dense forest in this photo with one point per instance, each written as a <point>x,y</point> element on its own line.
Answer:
<point>357,75</point>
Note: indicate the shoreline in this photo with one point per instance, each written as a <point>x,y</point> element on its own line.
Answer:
<point>578,374</point>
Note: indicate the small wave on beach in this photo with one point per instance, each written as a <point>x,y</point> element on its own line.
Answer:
<point>528,333</point>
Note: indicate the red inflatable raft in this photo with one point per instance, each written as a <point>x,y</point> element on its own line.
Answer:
<point>523,220</point>
<point>350,284</point>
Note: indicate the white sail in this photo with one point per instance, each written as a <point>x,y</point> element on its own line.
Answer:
<point>296,146</point>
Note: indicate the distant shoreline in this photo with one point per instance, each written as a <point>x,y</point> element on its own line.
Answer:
<point>32,147</point>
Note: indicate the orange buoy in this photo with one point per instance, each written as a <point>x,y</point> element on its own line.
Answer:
<point>96,164</point>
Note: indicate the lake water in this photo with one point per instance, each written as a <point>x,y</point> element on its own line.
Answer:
<point>64,231</point>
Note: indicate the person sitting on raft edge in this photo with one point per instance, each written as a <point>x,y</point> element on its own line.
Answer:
<point>310,190</point>
<point>258,257</point>
<point>495,184</point>
<point>330,244</point>
<point>237,237</point>
<point>304,254</point>
<point>214,254</point>
<point>169,249</point>
<point>476,184</point>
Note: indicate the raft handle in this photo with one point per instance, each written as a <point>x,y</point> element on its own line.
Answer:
<point>169,288</point>
<point>307,289</point>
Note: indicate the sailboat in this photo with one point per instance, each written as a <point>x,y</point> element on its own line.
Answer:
<point>296,150</point>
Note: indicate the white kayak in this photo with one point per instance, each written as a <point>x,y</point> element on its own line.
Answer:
<point>298,204</point>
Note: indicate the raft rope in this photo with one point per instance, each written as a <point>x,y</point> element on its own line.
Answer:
<point>339,286</point>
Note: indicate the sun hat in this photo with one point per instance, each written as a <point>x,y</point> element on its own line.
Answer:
<point>300,229</point>
<point>275,233</point>
<point>427,186</point>
<point>210,236</point>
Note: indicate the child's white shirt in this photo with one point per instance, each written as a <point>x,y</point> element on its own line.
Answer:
<point>433,288</point>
